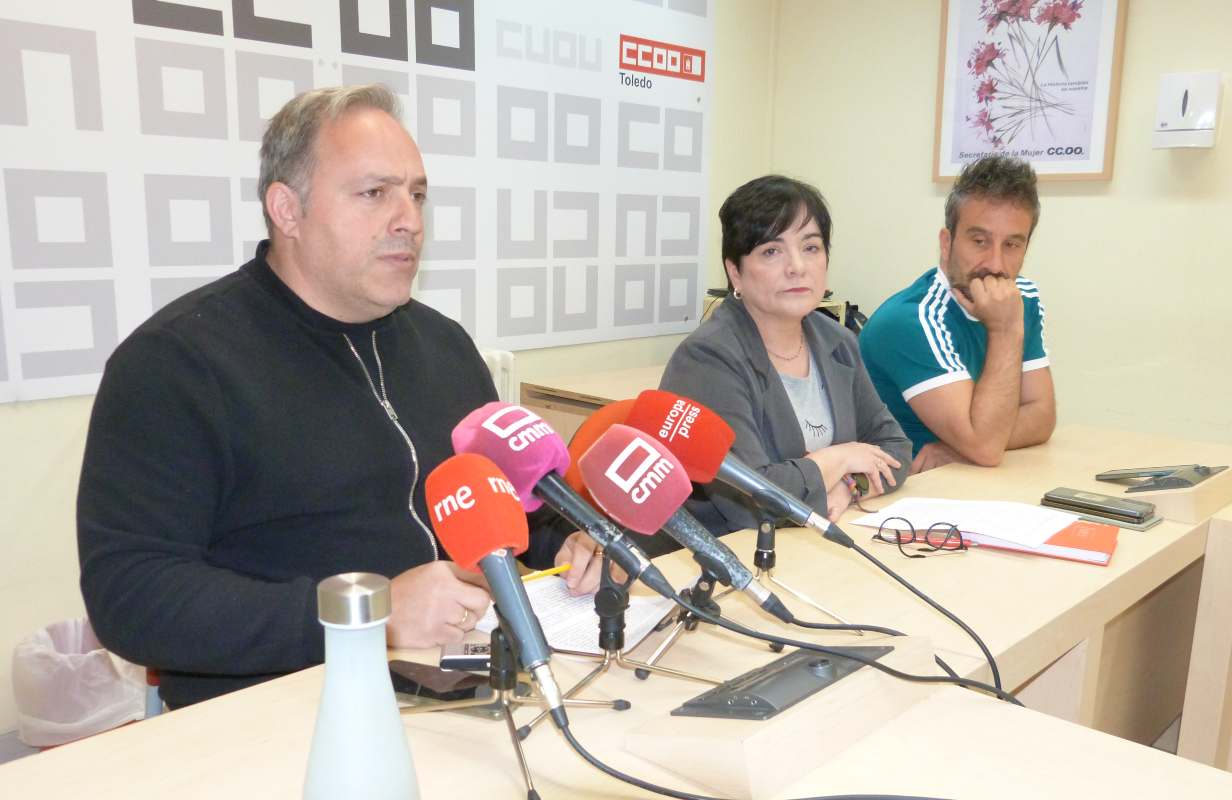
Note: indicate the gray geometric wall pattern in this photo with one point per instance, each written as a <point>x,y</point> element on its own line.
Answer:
<point>181,89</point>
<point>566,204</point>
<point>97,299</point>
<point>40,201</point>
<point>635,294</point>
<point>450,219</point>
<point>188,220</point>
<point>284,77</point>
<point>459,284</point>
<point>79,46</point>
<point>446,115</point>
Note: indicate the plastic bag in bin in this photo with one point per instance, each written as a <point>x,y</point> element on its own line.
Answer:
<point>68,687</point>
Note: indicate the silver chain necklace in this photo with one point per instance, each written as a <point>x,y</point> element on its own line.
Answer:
<point>382,397</point>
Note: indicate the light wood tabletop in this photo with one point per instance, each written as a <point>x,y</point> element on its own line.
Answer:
<point>1034,613</point>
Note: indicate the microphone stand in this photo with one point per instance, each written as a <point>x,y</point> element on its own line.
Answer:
<point>764,560</point>
<point>611,600</point>
<point>701,596</point>
<point>503,678</point>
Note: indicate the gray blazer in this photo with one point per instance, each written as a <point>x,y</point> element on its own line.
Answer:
<point>724,366</point>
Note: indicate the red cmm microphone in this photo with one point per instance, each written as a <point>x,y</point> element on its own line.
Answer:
<point>702,441</point>
<point>641,484</point>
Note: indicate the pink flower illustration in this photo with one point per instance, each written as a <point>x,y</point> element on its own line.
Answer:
<point>986,91</point>
<point>983,56</point>
<point>1010,77</point>
<point>994,12</point>
<point>981,120</point>
<point>1060,12</point>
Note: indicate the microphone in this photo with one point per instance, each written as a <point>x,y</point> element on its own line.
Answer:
<point>478,518</point>
<point>586,434</point>
<point>641,485</point>
<point>701,440</point>
<point>534,456</point>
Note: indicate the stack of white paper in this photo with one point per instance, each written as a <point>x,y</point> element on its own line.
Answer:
<point>570,623</point>
<point>1020,523</point>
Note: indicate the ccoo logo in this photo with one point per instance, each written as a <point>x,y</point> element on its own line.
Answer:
<point>660,58</point>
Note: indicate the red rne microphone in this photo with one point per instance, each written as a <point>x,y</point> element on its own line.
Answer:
<point>478,517</point>
<point>518,440</point>
<point>586,434</point>
<point>474,510</point>
<point>695,434</point>
<point>701,440</point>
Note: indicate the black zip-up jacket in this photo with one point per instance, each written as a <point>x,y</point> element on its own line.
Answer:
<point>237,455</point>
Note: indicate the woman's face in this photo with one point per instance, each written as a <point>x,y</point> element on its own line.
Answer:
<point>783,279</point>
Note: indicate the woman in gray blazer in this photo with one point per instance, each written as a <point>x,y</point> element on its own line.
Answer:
<point>790,382</point>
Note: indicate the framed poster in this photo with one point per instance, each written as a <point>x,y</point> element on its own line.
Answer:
<point>1036,79</point>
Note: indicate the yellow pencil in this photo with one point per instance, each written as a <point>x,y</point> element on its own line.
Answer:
<point>543,573</point>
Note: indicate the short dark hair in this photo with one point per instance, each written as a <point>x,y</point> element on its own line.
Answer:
<point>1001,179</point>
<point>762,209</point>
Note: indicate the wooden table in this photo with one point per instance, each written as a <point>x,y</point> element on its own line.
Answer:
<point>1104,646</point>
<point>1142,617</point>
<point>1206,726</point>
<point>255,744</point>
<point>566,400</point>
<point>1078,637</point>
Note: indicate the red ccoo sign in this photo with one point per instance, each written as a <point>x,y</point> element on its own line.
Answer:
<point>661,58</point>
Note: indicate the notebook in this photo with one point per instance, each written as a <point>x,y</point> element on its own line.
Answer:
<point>1089,542</point>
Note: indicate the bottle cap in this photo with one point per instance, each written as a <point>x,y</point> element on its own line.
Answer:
<point>353,599</point>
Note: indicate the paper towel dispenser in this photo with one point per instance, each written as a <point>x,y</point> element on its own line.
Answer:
<point>1188,109</point>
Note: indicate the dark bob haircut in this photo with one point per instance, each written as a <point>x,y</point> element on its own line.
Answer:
<point>762,209</point>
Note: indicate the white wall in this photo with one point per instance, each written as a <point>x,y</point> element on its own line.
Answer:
<point>42,446</point>
<point>42,442</point>
<point>1134,271</point>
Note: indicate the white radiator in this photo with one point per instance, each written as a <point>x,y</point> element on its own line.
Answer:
<point>500,364</point>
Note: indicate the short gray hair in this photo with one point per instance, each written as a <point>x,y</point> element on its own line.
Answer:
<point>1001,179</point>
<point>287,148</point>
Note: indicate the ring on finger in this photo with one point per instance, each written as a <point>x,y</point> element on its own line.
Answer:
<point>466,614</point>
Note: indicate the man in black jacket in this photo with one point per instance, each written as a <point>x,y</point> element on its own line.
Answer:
<point>276,426</point>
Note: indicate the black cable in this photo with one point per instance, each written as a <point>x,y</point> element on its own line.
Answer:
<point>736,627</point>
<point>834,534</point>
<point>992,662</point>
<point>663,790</point>
<point>833,626</point>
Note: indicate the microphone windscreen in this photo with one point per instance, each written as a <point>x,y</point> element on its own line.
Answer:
<point>586,434</point>
<point>518,441</point>
<point>695,434</point>
<point>474,509</point>
<point>634,479</point>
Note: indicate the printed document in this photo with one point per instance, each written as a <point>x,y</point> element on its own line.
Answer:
<point>1020,523</point>
<point>570,623</point>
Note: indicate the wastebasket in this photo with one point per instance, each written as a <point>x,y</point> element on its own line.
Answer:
<point>67,687</point>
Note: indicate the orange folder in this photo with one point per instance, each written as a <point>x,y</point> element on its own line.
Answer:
<point>1089,542</point>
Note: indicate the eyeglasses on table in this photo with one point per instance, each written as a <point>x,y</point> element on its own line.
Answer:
<point>940,537</point>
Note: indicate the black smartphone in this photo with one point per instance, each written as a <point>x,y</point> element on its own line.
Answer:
<point>1080,502</point>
